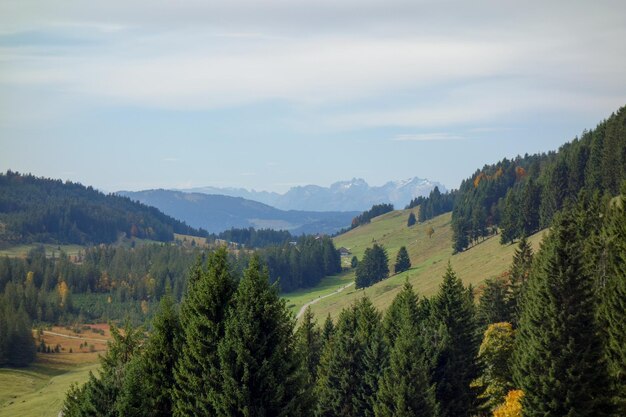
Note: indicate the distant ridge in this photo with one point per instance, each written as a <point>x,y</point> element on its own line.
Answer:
<point>217,213</point>
<point>37,209</point>
<point>353,195</point>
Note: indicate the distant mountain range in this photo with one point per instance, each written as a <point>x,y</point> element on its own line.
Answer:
<point>353,195</point>
<point>217,213</point>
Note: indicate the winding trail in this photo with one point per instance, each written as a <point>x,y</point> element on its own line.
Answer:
<point>74,337</point>
<point>337,291</point>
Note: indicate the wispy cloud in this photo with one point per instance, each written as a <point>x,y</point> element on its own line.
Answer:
<point>426,137</point>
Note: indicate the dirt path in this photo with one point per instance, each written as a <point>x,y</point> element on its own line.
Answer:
<point>301,312</point>
<point>74,337</point>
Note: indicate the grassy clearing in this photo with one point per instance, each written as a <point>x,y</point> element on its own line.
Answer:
<point>429,259</point>
<point>39,390</point>
<point>21,251</point>
<point>295,300</point>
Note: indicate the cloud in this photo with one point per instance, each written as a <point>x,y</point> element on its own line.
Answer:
<point>426,137</point>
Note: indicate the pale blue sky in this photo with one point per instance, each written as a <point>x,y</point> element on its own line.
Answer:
<point>270,94</point>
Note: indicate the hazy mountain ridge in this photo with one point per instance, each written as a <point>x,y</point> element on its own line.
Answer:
<point>353,195</point>
<point>217,213</point>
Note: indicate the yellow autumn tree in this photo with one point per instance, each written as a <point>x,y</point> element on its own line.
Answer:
<point>512,406</point>
<point>63,291</point>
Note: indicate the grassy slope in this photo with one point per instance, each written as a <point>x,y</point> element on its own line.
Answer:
<point>429,258</point>
<point>38,390</point>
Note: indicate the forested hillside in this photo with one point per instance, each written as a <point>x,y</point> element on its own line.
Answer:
<point>545,339</point>
<point>34,209</point>
<point>520,196</point>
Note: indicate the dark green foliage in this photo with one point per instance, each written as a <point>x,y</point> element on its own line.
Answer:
<point>352,363</point>
<point>411,220</point>
<point>99,396</point>
<point>17,346</point>
<point>518,277</point>
<point>523,195</point>
<point>494,305</point>
<point>403,263</point>
<point>149,383</point>
<point>259,367</point>
<point>454,365</point>
<point>354,262</point>
<point>373,267</point>
<point>327,330</point>
<point>302,265</point>
<point>202,316</point>
<point>403,307</point>
<point>309,345</point>
<point>45,210</point>
<point>613,305</point>
<point>560,362</point>
<point>433,205</point>
<point>367,216</point>
<point>405,387</point>
<point>253,238</point>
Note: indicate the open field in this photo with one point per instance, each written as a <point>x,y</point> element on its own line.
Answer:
<point>20,251</point>
<point>39,389</point>
<point>295,300</point>
<point>429,259</point>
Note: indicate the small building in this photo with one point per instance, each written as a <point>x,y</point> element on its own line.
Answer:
<point>344,251</point>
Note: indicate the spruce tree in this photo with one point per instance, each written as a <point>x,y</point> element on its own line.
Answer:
<point>403,262</point>
<point>327,331</point>
<point>202,316</point>
<point>405,389</point>
<point>149,382</point>
<point>559,354</point>
<point>455,365</point>
<point>340,369</point>
<point>613,306</point>
<point>403,307</point>
<point>309,344</point>
<point>411,220</point>
<point>493,304</point>
<point>518,276</point>
<point>352,363</point>
<point>261,374</point>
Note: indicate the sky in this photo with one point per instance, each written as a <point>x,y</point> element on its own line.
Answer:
<point>130,95</point>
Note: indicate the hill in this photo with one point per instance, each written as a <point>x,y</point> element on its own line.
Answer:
<point>217,213</point>
<point>429,258</point>
<point>352,195</point>
<point>34,209</point>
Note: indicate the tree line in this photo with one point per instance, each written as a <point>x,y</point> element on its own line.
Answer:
<point>37,209</point>
<point>257,238</point>
<point>368,215</point>
<point>520,196</point>
<point>546,339</point>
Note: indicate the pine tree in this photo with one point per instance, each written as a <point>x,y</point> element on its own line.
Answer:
<point>340,369</point>
<point>559,361</point>
<point>405,389</point>
<point>375,355</point>
<point>493,305</point>
<point>403,262</point>
<point>148,386</point>
<point>352,363</point>
<point>260,369</point>
<point>327,331</point>
<point>202,316</point>
<point>455,365</point>
<point>518,276</point>
<point>411,220</point>
<point>309,344</point>
<point>403,307</point>
<point>613,306</point>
